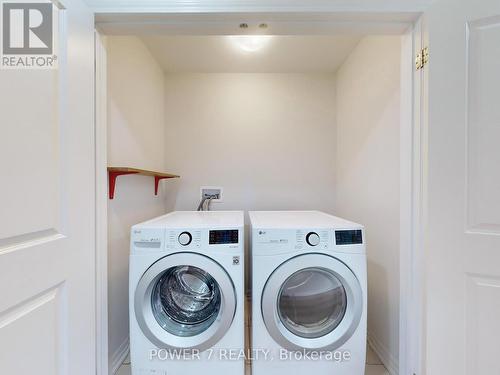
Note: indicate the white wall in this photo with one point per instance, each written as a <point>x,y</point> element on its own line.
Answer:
<point>267,139</point>
<point>135,139</point>
<point>368,118</point>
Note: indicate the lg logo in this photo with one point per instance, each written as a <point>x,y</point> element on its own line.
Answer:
<point>27,29</point>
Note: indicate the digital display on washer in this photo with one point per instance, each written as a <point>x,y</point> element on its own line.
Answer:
<point>348,237</point>
<point>221,237</point>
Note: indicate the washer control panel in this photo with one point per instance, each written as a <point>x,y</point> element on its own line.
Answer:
<point>195,239</point>
<point>147,239</point>
<point>183,239</point>
<point>230,240</point>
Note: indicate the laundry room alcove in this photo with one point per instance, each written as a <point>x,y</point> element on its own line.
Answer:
<point>283,122</point>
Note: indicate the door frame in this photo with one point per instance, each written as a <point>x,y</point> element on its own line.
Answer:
<point>413,143</point>
<point>101,176</point>
<point>412,194</point>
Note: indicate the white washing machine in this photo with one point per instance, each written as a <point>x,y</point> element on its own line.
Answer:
<point>309,294</point>
<point>187,294</point>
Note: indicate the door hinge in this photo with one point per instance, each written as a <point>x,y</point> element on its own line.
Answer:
<point>422,58</point>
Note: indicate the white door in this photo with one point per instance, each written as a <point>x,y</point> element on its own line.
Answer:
<point>47,272</point>
<point>462,237</point>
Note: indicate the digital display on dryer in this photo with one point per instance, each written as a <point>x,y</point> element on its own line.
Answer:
<point>222,237</point>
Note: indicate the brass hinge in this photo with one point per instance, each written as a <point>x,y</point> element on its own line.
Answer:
<point>422,59</point>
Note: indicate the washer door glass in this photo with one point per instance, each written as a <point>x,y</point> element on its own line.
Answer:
<point>185,300</point>
<point>312,302</point>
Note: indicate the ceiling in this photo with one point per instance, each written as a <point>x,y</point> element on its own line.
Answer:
<point>222,54</point>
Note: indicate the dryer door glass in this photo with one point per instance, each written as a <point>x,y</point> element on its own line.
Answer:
<point>312,302</point>
<point>186,300</point>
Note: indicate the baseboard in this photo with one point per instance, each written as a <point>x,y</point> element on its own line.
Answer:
<point>118,357</point>
<point>389,361</point>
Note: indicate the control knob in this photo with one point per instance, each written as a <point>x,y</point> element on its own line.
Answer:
<point>185,238</point>
<point>312,239</point>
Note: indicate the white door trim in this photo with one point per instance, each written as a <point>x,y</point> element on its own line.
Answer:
<point>411,221</point>
<point>101,246</point>
<point>258,6</point>
<point>406,195</point>
<point>307,22</point>
<point>412,183</point>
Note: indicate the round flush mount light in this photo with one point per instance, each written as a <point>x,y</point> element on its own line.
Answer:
<point>250,43</point>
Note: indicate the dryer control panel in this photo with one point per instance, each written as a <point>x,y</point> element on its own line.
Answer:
<point>279,241</point>
<point>318,239</point>
<point>284,241</point>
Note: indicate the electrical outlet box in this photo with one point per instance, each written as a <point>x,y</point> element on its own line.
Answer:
<point>206,191</point>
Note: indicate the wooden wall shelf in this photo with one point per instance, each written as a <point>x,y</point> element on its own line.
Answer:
<point>114,172</point>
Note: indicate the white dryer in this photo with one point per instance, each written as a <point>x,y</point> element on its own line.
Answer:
<point>309,294</point>
<point>187,294</point>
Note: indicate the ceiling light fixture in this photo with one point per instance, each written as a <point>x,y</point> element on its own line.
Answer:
<point>250,43</point>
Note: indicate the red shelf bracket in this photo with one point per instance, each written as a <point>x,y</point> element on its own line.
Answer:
<point>112,175</point>
<point>114,172</point>
<point>157,181</point>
